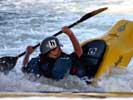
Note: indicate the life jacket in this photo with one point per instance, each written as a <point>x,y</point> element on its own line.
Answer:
<point>33,66</point>
<point>78,68</point>
<point>57,71</point>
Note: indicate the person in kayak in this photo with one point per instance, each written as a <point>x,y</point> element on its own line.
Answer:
<point>52,62</point>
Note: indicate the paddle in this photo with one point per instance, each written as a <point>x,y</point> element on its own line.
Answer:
<point>7,63</point>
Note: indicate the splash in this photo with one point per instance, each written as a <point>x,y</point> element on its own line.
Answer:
<point>27,22</point>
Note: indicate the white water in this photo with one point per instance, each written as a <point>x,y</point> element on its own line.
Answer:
<point>27,22</point>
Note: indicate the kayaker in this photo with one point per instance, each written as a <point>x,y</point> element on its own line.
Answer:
<point>52,62</point>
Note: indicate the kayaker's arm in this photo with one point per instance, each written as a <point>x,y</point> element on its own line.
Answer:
<point>29,51</point>
<point>76,45</point>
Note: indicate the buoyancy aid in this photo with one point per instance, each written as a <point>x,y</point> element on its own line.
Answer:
<point>60,67</point>
<point>78,68</point>
<point>33,66</point>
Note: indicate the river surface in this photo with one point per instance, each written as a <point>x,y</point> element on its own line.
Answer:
<point>28,22</point>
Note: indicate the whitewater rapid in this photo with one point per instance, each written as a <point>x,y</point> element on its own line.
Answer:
<point>27,22</point>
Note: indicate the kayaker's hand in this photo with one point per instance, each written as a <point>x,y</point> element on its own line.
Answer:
<point>29,50</point>
<point>66,30</point>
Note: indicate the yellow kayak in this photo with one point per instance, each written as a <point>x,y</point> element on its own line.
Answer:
<point>115,49</point>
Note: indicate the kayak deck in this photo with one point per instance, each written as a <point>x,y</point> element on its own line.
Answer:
<point>119,47</point>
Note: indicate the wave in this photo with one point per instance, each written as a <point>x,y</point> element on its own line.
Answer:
<point>24,22</point>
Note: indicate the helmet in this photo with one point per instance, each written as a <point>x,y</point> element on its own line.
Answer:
<point>48,44</point>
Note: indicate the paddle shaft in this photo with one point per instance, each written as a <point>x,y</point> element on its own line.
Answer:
<point>83,18</point>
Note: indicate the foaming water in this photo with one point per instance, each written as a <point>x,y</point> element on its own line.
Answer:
<point>27,22</point>
<point>119,80</point>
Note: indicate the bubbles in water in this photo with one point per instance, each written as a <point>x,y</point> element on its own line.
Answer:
<point>27,22</point>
